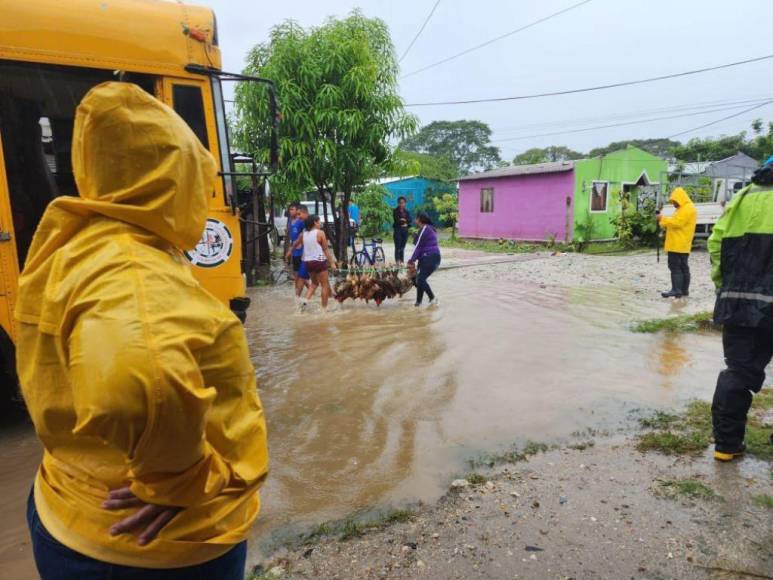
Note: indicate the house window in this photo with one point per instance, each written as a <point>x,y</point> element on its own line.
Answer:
<point>599,196</point>
<point>487,200</point>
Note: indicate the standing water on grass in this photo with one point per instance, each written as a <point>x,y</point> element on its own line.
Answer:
<point>369,407</point>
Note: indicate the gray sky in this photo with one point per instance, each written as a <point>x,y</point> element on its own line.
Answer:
<point>600,42</point>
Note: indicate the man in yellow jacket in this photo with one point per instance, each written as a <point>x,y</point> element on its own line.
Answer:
<point>680,231</point>
<point>137,380</point>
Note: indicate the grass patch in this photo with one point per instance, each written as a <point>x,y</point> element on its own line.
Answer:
<point>701,321</point>
<point>513,455</point>
<point>503,246</point>
<point>659,420</point>
<point>690,488</point>
<point>582,445</point>
<point>495,246</point>
<point>673,443</point>
<point>352,527</point>
<point>689,433</point>
<point>764,500</point>
<point>475,479</point>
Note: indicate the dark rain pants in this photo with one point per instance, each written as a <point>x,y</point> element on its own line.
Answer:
<point>747,352</point>
<point>427,265</point>
<point>401,238</point>
<point>680,272</point>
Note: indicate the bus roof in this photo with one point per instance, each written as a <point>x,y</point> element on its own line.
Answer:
<point>147,36</point>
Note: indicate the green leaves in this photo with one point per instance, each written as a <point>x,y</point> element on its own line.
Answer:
<point>375,213</point>
<point>465,143</point>
<point>337,87</point>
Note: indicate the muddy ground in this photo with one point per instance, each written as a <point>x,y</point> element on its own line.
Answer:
<point>601,512</point>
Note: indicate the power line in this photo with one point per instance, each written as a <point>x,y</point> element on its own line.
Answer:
<point>493,40</point>
<point>418,34</point>
<point>720,120</point>
<point>579,121</point>
<point>629,123</point>
<point>598,87</point>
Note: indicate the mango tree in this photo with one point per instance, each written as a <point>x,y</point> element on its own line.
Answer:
<point>337,88</point>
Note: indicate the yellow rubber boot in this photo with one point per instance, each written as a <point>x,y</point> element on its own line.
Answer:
<point>725,456</point>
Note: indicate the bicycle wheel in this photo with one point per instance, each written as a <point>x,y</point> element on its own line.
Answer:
<point>359,259</point>
<point>379,257</point>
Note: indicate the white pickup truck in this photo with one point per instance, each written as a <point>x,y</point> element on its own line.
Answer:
<point>280,220</point>
<point>708,212</point>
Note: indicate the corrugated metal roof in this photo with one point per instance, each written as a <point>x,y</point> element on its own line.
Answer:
<point>514,170</point>
<point>385,180</point>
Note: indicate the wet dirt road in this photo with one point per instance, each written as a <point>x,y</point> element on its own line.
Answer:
<point>374,406</point>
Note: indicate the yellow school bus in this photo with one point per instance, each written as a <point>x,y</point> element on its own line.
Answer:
<point>52,52</point>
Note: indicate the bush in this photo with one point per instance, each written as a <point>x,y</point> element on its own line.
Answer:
<point>375,212</point>
<point>637,227</point>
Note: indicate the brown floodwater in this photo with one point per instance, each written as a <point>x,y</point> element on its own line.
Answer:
<point>369,407</point>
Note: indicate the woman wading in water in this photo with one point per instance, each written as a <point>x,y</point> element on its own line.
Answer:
<point>317,257</point>
<point>427,254</point>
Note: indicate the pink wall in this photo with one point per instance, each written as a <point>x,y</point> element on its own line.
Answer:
<point>526,207</point>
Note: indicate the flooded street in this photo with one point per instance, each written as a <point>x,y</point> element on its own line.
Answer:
<point>371,406</point>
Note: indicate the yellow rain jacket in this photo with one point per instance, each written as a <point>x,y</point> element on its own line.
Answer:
<point>132,372</point>
<point>680,227</point>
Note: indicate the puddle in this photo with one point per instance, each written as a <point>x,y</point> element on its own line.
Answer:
<point>372,406</point>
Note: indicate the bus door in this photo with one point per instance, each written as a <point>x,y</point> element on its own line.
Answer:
<point>9,272</point>
<point>217,259</point>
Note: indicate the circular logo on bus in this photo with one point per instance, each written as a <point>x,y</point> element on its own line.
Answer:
<point>215,246</point>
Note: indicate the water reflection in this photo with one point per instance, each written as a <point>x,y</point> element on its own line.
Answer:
<point>672,358</point>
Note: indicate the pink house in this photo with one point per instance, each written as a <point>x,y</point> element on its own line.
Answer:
<point>526,203</point>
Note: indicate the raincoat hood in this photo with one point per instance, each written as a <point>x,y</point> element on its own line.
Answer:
<point>679,195</point>
<point>135,160</point>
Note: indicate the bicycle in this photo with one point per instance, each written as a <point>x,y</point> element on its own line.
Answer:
<point>371,254</point>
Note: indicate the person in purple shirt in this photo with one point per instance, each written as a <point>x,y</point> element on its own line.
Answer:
<point>427,254</point>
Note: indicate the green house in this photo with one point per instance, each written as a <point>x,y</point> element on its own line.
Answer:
<point>564,200</point>
<point>602,183</point>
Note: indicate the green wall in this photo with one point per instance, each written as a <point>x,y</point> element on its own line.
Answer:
<point>619,167</point>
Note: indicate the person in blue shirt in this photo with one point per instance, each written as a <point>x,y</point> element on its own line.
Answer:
<point>297,214</point>
<point>354,216</point>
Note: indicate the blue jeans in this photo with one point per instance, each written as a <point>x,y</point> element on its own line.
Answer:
<point>426,266</point>
<point>56,561</point>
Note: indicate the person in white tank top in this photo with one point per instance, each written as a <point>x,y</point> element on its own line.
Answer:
<point>317,258</point>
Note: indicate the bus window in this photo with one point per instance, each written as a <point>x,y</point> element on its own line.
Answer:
<point>189,104</point>
<point>37,110</point>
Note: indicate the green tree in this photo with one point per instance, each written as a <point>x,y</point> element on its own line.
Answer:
<point>424,164</point>
<point>374,209</point>
<point>552,153</point>
<point>660,147</point>
<point>337,86</point>
<point>466,143</point>
<point>447,207</point>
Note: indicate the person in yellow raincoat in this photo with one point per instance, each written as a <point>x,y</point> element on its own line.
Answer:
<point>680,231</point>
<point>137,380</point>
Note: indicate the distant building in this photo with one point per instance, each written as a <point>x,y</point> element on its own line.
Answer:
<point>416,189</point>
<point>565,200</point>
<point>725,176</point>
